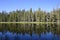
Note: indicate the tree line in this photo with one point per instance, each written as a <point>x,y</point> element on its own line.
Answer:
<point>30,16</point>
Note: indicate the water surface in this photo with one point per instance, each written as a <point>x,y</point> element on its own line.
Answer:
<point>19,36</point>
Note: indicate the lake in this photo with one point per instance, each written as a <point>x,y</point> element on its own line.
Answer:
<point>19,36</point>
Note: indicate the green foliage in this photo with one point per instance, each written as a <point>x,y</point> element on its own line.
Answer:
<point>30,16</point>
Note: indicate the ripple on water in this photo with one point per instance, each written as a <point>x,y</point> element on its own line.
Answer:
<point>26,36</point>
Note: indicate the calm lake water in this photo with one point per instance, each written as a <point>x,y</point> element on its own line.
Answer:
<point>26,36</point>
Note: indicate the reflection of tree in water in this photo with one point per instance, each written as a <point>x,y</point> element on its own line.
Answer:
<point>28,28</point>
<point>18,28</point>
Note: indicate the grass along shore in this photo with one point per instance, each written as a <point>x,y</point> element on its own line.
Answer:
<point>30,22</point>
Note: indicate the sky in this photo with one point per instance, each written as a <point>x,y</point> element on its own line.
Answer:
<point>45,5</point>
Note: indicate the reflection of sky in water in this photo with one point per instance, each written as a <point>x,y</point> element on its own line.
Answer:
<point>26,36</point>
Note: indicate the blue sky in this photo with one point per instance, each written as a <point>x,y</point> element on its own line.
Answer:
<point>10,5</point>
